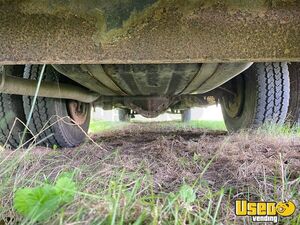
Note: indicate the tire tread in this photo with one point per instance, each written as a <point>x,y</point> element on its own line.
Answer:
<point>41,117</point>
<point>272,94</point>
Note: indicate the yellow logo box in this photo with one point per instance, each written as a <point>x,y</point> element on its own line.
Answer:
<point>245,208</point>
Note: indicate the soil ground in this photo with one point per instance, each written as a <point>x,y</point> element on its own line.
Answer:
<point>162,157</point>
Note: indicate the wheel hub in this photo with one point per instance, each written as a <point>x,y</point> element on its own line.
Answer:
<point>234,101</point>
<point>78,111</point>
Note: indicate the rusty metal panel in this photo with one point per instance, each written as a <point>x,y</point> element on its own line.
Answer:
<point>148,31</point>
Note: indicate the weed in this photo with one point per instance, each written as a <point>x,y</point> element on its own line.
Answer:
<point>155,174</point>
<point>39,203</point>
<point>99,126</point>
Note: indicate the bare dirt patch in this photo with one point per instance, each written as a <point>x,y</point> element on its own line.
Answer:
<point>258,164</point>
<point>174,155</point>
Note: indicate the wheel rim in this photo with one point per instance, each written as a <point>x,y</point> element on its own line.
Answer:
<point>78,111</point>
<point>234,101</point>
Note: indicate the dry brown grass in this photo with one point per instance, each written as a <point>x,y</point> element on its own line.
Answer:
<point>257,165</point>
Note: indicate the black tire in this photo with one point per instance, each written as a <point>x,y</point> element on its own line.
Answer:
<point>11,107</point>
<point>261,96</point>
<point>124,115</point>
<point>293,116</point>
<point>186,115</point>
<point>48,111</point>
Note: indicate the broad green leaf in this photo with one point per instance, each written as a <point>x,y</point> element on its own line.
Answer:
<point>187,194</point>
<point>37,203</point>
<point>65,188</point>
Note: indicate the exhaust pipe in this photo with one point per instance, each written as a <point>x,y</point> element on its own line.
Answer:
<point>20,86</point>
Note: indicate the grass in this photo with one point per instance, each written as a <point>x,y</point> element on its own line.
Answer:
<point>276,130</point>
<point>206,124</point>
<point>100,125</point>
<point>97,126</point>
<point>159,173</point>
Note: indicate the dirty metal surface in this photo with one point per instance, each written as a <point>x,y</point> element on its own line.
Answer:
<point>148,31</point>
<point>153,79</point>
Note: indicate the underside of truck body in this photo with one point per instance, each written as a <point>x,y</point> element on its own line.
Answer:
<point>145,57</point>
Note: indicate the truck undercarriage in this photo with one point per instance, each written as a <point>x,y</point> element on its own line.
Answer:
<point>145,57</point>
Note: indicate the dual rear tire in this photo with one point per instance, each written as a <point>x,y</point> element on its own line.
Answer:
<point>260,95</point>
<point>11,113</point>
<point>293,115</point>
<point>54,122</point>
